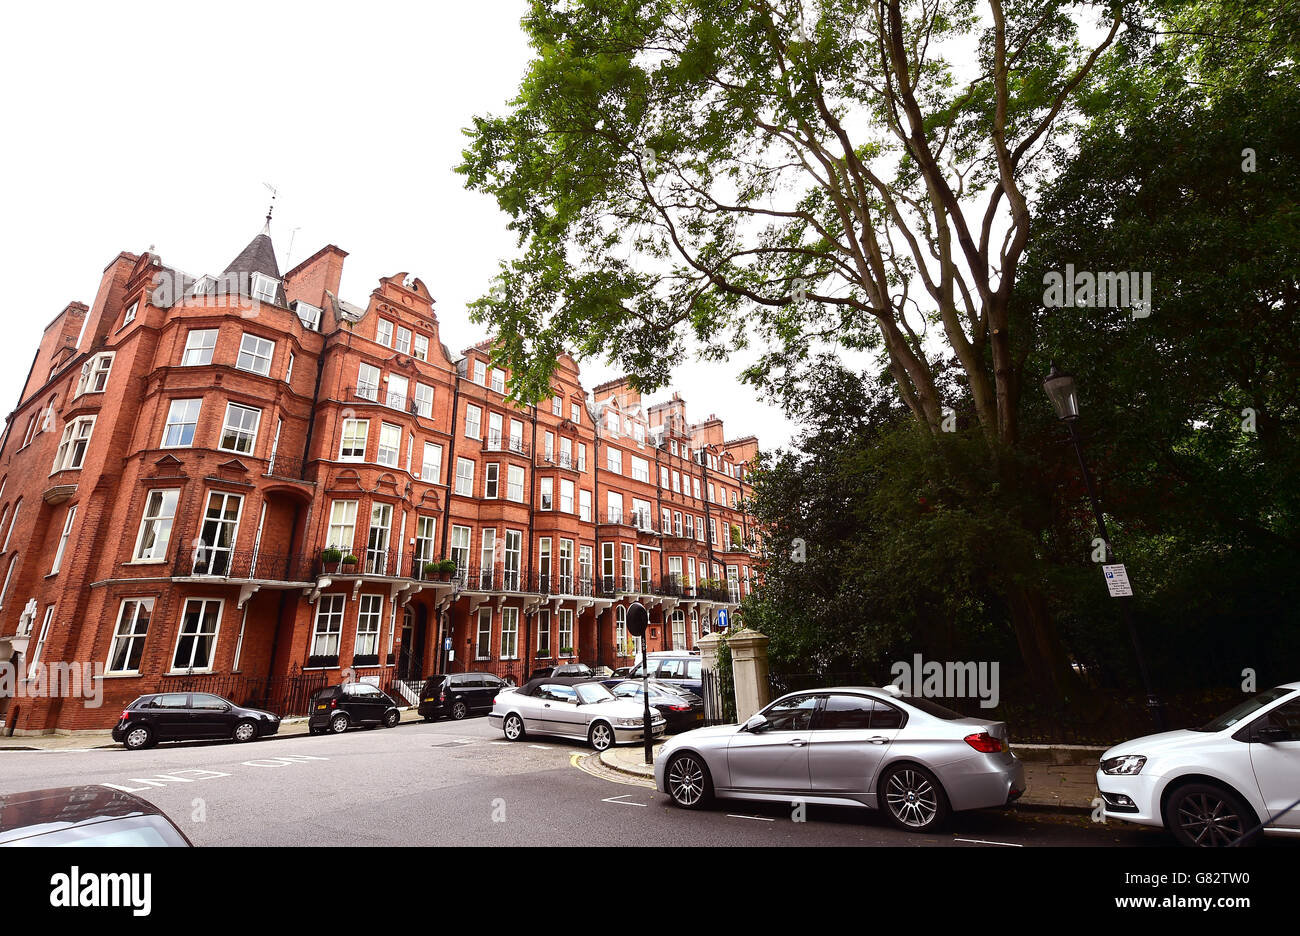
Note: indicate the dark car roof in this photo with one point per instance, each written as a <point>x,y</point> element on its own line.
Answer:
<point>530,687</point>
<point>37,812</point>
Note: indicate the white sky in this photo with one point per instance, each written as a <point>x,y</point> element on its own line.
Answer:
<point>157,123</point>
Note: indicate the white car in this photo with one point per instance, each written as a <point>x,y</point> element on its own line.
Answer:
<point>1214,784</point>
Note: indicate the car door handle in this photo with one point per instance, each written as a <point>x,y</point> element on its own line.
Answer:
<point>878,739</point>
<point>546,705</point>
<point>796,742</point>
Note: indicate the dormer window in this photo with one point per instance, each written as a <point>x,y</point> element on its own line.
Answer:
<point>94,374</point>
<point>498,380</point>
<point>264,288</point>
<point>421,351</point>
<point>480,373</point>
<point>203,285</point>
<point>130,313</point>
<point>384,333</point>
<point>308,314</point>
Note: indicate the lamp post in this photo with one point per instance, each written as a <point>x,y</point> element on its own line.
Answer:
<point>1063,393</point>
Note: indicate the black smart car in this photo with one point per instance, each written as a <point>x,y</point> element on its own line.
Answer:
<point>190,716</point>
<point>85,815</point>
<point>337,708</point>
<point>458,694</point>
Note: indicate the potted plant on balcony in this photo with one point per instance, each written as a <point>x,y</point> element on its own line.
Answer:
<point>566,651</point>
<point>349,564</point>
<point>330,556</point>
<point>444,569</point>
<point>543,654</point>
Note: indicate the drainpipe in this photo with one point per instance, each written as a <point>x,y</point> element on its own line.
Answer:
<point>444,619</point>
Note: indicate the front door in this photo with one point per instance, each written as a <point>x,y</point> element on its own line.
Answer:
<point>210,716</point>
<point>850,737</point>
<point>775,759</point>
<point>1276,761</point>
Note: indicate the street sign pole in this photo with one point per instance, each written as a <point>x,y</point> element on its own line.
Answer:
<point>638,620</point>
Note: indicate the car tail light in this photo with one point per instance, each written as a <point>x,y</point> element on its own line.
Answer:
<point>679,708</point>
<point>985,743</point>
<point>442,696</point>
<point>126,713</point>
<point>334,703</point>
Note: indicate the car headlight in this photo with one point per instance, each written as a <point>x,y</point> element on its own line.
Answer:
<point>1124,766</point>
<point>628,722</point>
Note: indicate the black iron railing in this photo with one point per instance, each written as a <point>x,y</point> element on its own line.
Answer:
<point>494,442</point>
<point>241,564</point>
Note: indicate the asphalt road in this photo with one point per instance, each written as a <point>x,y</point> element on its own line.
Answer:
<point>461,783</point>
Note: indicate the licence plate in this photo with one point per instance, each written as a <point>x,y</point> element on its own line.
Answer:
<point>320,707</point>
<point>699,716</point>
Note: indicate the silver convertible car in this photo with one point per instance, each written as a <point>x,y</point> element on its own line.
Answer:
<point>583,709</point>
<point>849,746</point>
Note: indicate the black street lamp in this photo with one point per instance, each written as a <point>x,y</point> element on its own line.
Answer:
<point>1061,390</point>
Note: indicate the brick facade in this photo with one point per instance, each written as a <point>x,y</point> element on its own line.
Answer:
<point>211,438</point>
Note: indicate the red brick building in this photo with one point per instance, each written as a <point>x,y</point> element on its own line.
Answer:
<point>235,484</point>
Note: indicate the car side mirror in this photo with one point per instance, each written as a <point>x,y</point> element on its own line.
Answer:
<point>756,724</point>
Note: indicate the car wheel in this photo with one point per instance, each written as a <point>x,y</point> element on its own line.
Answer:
<point>138,738</point>
<point>459,711</point>
<point>245,731</point>
<point>513,727</point>
<point>914,799</point>
<point>339,723</point>
<point>430,717</point>
<point>391,719</point>
<point>1208,816</point>
<point>688,781</point>
<point>601,736</point>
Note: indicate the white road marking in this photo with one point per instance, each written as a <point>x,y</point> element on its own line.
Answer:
<point>756,818</point>
<point>987,842</point>
<point>540,747</point>
<point>615,800</point>
<point>499,742</point>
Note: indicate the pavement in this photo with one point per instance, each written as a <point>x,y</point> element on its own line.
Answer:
<point>1059,778</point>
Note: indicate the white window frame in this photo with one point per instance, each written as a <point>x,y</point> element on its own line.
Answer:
<point>239,432</point>
<point>201,350</point>
<point>63,538</point>
<point>70,457</point>
<point>257,354</point>
<point>347,453</point>
<point>130,634</point>
<point>215,635</point>
<point>155,519</point>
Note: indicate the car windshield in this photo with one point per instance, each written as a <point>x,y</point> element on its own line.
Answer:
<point>593,692</point>
<point>1244,710</point>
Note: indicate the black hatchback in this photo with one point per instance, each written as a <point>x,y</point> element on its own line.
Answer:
<point>459,694</point>
<point>190,716</point>
<point>337,708</point>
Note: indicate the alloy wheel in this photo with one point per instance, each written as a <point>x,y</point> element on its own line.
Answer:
<point>459,711</point>
<point>686,781</point>
<point>602,736</point>
<point>339,724</point>
<point>514,728</point>
<point>912,798</point>
<point>1209,820</point>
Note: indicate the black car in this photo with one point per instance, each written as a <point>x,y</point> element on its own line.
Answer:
<point>458,694</point>
<point>85,815</point>
<point>682,709</point>
<point>681,669</point>
<point>190,716</point>
<point>338,708</point>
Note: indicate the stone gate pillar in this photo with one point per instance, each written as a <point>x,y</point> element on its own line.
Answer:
<point>749,671</point>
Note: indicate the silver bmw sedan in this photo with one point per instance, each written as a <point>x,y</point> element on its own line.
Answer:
<point>580,708</point>
<point>849,746</point>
